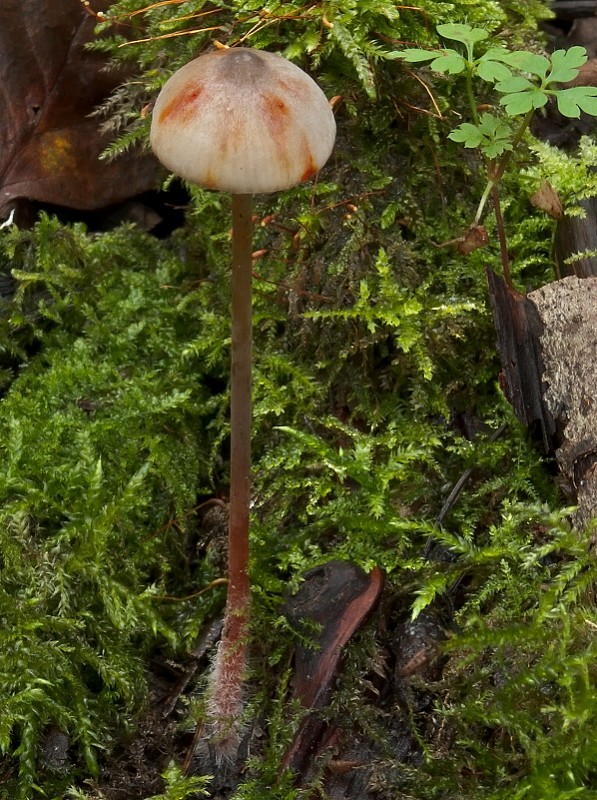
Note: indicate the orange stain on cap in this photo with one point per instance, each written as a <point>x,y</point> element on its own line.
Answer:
<point>278,120</point>
<point>209,180</point>
<point>310,170</point>
<point>183,107</point>
<point>276,112</point>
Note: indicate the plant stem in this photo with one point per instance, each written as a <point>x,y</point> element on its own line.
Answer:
<point>469,92</point>
<point>227,693</point>
<point>516,140</point>
<point>484,197</point>
<point>496,172</point>
<point>495,194</point>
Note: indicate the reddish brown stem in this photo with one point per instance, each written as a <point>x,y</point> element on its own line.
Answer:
<point>240,404</point>
<point>495,193</point>
<point>227,689</point>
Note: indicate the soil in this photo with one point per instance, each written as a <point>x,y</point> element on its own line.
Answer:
<point>134,768</point>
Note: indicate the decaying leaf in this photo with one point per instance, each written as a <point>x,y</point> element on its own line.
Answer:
<point>49,147</point>
<point>474,238</point>
<point>547,199</point>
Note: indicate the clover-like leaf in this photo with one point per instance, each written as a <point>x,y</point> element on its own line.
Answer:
<point>413,55</point>
<point>492,135</point>
<point>515,83</point>
<point>520,95</point>
<point>449,61</point>
<point>497,54</point>
<point>523,102</point>
<point>491,125</point>
<point>491,67</point>
<point>496,148</point>
<point>525,61</point>
<point>468,134</point>
<point>497,135</point>
<point>576,99</point>
<point>462,33</point>
<point>566,63</point>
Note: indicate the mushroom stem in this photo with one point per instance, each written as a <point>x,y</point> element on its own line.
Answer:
<point>227,689</point>
<point>240,404</point>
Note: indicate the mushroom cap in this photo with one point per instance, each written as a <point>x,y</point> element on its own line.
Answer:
<point>243,121</point>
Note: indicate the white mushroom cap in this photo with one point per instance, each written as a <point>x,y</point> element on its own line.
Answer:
<point>243,121</point>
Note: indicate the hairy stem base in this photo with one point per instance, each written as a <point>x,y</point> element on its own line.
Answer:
<point>227,693</point>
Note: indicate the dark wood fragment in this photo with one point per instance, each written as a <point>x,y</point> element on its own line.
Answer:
<point>568,311</point>
<point>577,235</point>
<point>519,328</point>
<point>337,597</point>
<point>547,343</point>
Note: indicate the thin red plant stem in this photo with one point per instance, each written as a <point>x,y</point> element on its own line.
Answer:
<point>495,192</point>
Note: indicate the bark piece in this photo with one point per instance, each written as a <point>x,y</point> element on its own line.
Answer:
<point>519,328</point>
<point>547,343</point>
<point>337,596</point>
<point>568,312</point>
<point>49,84</point>
<point>577,235</point>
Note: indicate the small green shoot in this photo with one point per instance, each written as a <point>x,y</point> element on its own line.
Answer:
<point>182,787</point>
<point>524,82</point>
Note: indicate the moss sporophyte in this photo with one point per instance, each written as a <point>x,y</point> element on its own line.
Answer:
<point>523,82</point>
<point>242,121</point>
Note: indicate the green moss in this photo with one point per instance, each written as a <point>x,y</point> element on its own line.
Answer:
<point>371,337</point>
<point>101,449</point>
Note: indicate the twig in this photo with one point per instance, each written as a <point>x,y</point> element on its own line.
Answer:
<point>459,486</point>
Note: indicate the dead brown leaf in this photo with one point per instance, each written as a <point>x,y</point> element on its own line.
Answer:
<point>474,237</point>
<point>49,82</point>
<point>547,199</point>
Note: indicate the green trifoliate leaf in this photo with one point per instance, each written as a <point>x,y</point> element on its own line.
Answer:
<point>413,55</point>
<point>497,54</point>
<point>497,148</point>
<point>493,126</point>
<point>441,60</point>
<point>566,63</point>
<point>492,135</point>
<point>468,134</point>
<point>523,102</point>
<point>449,61</point>
<point>520,95</point>
<point>579,98</point>
<point>491,67</point>
<point>514,84</point>
<point>528,62</point>
<point>462,33</point>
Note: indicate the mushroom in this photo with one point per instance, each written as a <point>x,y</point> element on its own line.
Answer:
<point>242,121</point>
